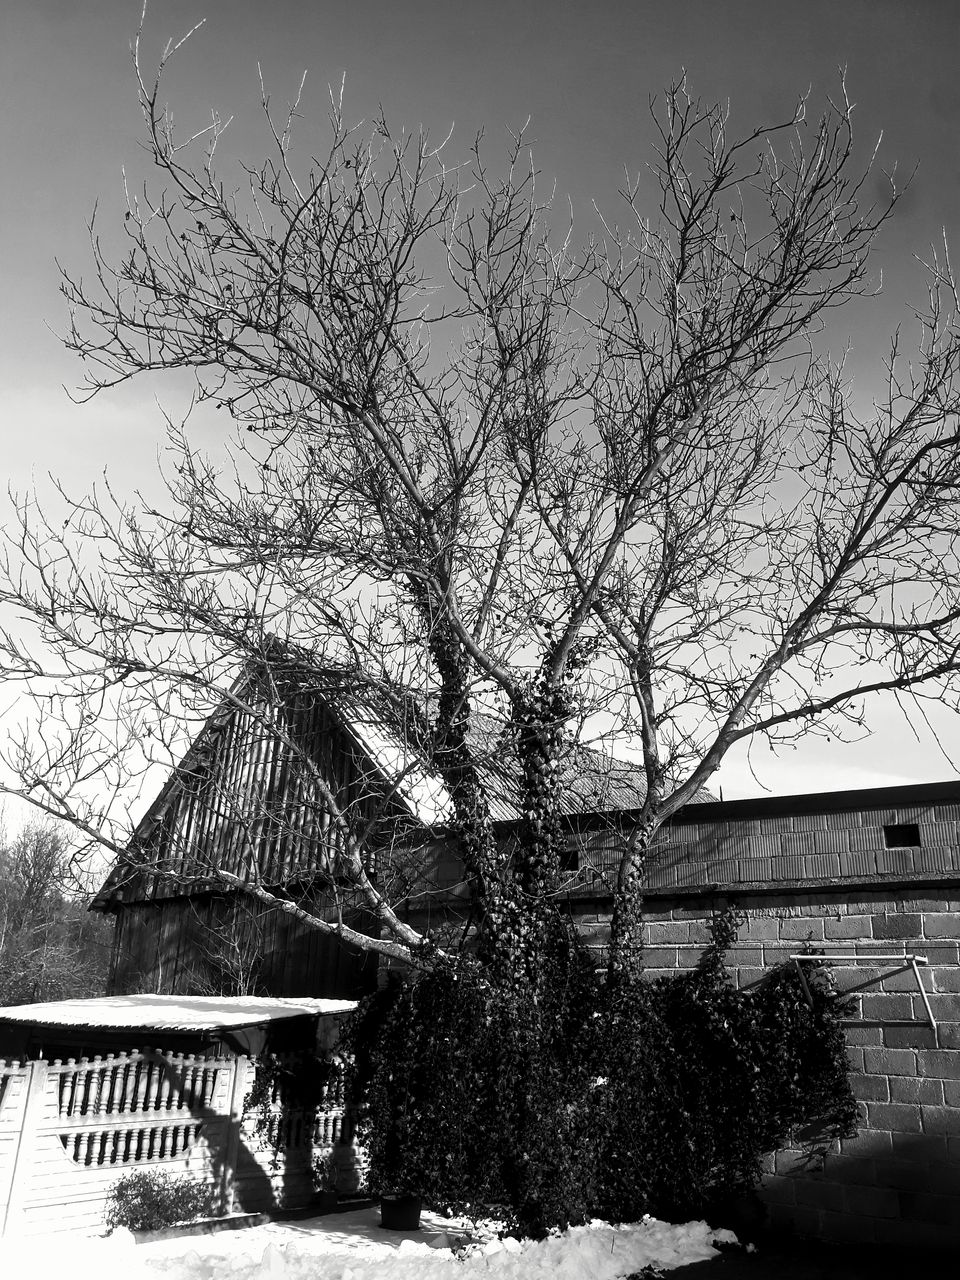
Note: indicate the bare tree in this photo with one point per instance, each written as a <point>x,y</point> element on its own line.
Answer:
<point>481,469</point>
<point>49,946</point>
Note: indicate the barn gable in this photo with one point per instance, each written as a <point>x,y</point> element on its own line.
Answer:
<point>250,799</point>
<point>247,799</point>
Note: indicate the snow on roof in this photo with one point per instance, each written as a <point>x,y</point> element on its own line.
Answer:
<point>171,1013</point>
<point>424,791</point>
<point>591,780</point>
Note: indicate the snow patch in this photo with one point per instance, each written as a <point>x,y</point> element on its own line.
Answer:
<point>353,1246</point>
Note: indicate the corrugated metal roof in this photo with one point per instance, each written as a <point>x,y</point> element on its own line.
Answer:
<point>590,781</point>
<point>170,1013</point>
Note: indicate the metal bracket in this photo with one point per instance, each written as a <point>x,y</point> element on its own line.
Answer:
<point>903,962</point>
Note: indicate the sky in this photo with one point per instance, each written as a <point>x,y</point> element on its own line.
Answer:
<point>581,70</point>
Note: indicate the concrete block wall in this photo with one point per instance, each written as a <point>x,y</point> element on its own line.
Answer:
<point>844,836</point>
<point>898,1181</point>
<point>831,870</point>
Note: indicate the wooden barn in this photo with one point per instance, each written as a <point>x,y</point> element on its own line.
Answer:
<point>251,800</point>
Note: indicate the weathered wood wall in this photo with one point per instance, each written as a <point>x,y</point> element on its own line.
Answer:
<point>248,799</point>
<point>215,944</point>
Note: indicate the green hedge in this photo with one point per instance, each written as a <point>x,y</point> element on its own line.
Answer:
<point>581,1098</point>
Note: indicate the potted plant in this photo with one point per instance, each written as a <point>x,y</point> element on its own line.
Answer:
<point>325,1183</point>
<point>399,1162</point>
<point>400,1210</point>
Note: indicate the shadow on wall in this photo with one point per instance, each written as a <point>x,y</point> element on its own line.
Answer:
<point>253,1191</point>
<point>881,1187</point>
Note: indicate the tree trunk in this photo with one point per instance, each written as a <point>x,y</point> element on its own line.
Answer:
<point>626,927</point>
<point>472,824</point>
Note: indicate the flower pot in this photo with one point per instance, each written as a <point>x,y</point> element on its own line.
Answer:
<point>325,1201</point>
<point>400,1213</point>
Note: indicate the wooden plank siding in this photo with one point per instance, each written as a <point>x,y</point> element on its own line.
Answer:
<point>170,947</point>
<point>246,800</point>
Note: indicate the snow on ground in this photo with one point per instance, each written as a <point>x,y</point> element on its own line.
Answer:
<point>353,1246</point>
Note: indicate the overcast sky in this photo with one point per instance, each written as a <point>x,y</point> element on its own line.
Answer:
<point>582,71</point>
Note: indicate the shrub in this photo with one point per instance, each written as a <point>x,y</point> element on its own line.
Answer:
<point>470,1092</point>
<point>703,1080</point>
<point>594,1099</point>
<point>150,1199</point>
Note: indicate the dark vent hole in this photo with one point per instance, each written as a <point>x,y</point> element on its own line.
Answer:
<point>903,835</point>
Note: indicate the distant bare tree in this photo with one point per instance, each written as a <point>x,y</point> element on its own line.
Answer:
<point>50,947</point>
<point>478,467</point>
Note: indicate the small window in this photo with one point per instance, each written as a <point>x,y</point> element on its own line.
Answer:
<point>904,835</point>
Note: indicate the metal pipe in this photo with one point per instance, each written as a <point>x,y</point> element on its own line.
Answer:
<point>907,962</point>
<point>865,959</point>
<point>915,961</point>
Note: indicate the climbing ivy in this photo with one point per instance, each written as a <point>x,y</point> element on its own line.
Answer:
<point>288,1087</point>
<point>581,1098</point>
<point>517,1081</point>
